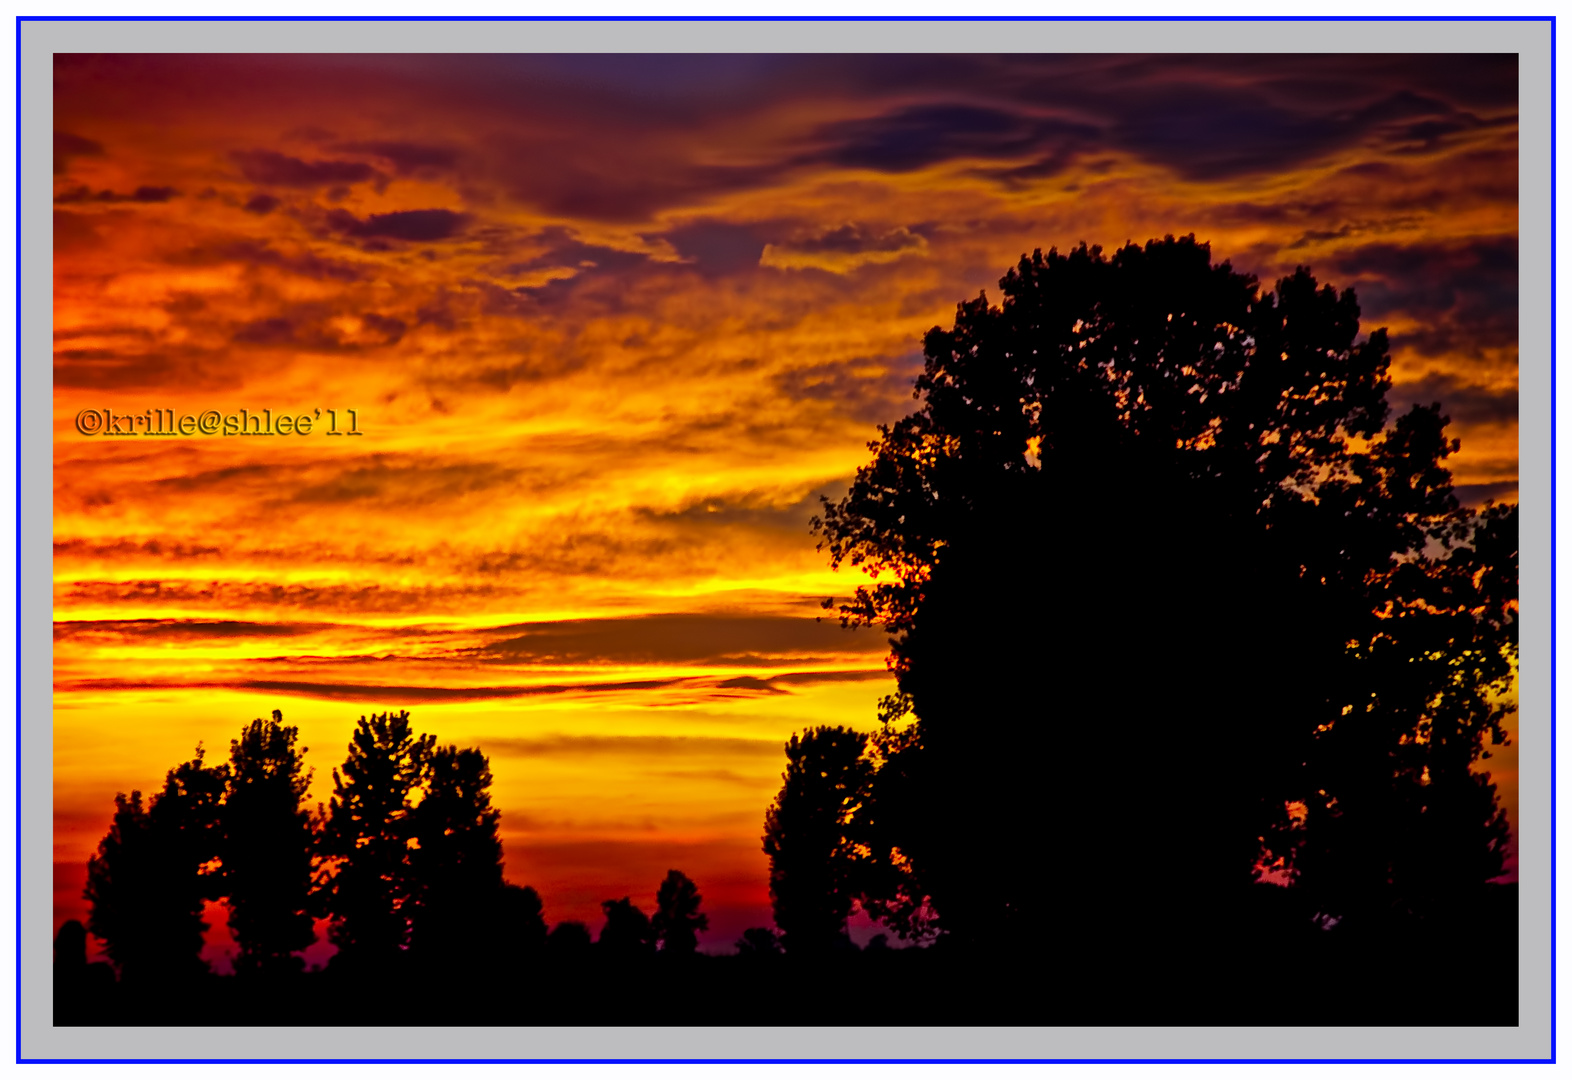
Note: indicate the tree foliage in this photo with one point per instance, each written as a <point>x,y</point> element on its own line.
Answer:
<point>267,848</point>
<point>809,836</point>
<point>1159,568</point>
<point>406,858</point>
<point>520,925</point>
<point>456,862</point>
<point>677,919</point>
<point>366,836</point>
<point>568,941</point>
<point>759,941</point>
<point>627,931</point>
<point>152,873</point>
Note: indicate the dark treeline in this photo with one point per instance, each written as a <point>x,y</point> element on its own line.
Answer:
<point>408,840</point>
<point>1173,601</point>
<point>404,863</point>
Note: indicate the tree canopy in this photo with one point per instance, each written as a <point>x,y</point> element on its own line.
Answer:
<point>627,931</point>
<point>456,861</point>
<point>808,834</point>
<point>1173,597</point>
<point>677,920</point>
<point>370,889</point>
<point>152,874</point>
<point>267,849</point>
<point>406,861</point>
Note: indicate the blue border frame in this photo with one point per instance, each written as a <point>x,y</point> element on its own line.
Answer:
<point>1551,19</point>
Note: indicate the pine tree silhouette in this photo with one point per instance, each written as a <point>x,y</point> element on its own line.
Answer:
<point>369,884</point>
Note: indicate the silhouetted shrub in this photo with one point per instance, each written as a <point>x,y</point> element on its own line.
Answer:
<point>627,931</point>
<point>568,941</point>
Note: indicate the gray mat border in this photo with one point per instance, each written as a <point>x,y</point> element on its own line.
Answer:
<point>38,40</point>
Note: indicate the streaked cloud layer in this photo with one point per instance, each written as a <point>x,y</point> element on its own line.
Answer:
<point>610,325</point>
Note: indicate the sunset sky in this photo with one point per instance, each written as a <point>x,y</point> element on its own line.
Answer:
<point>610,326</point>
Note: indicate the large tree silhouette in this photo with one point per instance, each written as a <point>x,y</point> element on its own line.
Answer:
<point>1157,569</point>
<point>808,835</point>
<point>366,836</point>
<point>267,848</point>
<point>152,873</point>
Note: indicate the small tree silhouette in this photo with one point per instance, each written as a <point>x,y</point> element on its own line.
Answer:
<point>71,950</point>
<point>366,839</point>
<point>267,848</point>
<point>758,941</point>
<point>456,865</point>
<point>152,873</point>
<point>79,986</point>
<point>627,931</point>
<point>677,919</point>
<point>520,927</point>
<point>568,942</point>
<point>808,836</point>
